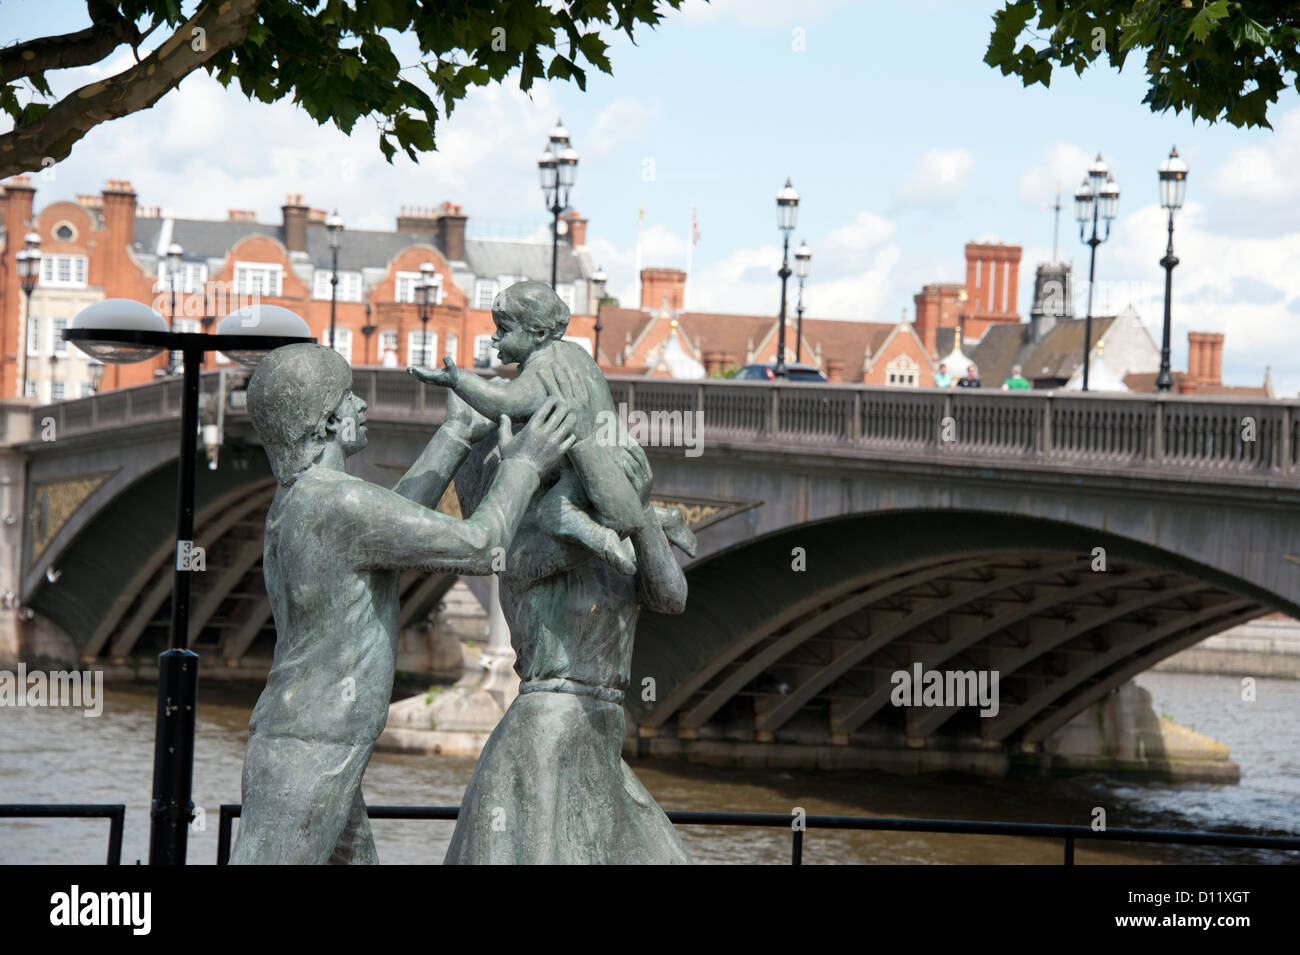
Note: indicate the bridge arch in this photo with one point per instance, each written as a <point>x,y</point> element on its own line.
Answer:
<point>769,653</point>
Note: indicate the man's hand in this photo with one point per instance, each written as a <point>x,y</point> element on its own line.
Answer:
<point>569,388</point>
<point>544,440</point>
<point>448,375</point>
<point>464,422</point>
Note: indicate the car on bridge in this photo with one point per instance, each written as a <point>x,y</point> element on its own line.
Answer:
<point>767,372</point>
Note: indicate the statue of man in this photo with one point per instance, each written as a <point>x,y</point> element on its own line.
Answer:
<point>335,547</point>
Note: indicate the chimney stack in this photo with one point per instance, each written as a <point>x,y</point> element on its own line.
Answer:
<point>834,369</point>
<point>1205,357</point>
<point>660,287</point>
<point>992,284</point>
<point>577,229</point>
<point>451,231</point>
<point>296,215</point>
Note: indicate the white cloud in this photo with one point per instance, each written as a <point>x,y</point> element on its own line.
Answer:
<point>941,174</point>
<point>624,120</point>
<point>1263,173</point>
<point>1064,169</point>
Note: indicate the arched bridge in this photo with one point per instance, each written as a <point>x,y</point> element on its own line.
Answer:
<point>1064,541</point>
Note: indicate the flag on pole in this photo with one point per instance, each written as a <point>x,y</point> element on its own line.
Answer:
<point>695,228</point>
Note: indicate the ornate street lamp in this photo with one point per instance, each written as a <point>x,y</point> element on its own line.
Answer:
<point>122,331</point>
<point>425,297</point>
<point>557,169</point>
<point>334,228</point>
<point>787,214</point>
<point>1173,186</point>
<point>598,280</point>
<point>28,259</point>
<point>1097,198</point>
<point>802,263</point>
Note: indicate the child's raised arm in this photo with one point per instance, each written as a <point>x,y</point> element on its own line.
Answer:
<point>519,398</point>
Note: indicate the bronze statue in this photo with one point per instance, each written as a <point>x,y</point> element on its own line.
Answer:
<point>335,546</point>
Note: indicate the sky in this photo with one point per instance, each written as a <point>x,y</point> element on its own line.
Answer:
<point>902,144</point>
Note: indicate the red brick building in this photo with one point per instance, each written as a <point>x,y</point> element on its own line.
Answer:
<point>107,246</point>
<point>641,341</point>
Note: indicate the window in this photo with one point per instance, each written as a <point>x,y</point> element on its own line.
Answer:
<point>60,346</point>
<point>350,285</point>
<point>404,288</point>
<point>902,372</point>
<point>190,277</point>
<point>387,343</point>
<point>418,353</point>
<point>565,292</point>
<point>64,232</point>
<point>85,389</point>
<point>57,391</point>
<point>342,342</point>
<point>484,355</point>
<point>585,343</point>
<point>33,335</point>
<point>65,270</point>
<point>258,278</point>
<point>29,388</point>
<point>485,290</point>
<point>449,349</point>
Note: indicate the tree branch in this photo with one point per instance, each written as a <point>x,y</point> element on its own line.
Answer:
<point>224,24</point>
<point>110,30</point>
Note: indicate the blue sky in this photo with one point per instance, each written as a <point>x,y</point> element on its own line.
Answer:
<point>902,143</point>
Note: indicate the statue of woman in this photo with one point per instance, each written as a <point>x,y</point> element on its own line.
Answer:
<point>551,785</point>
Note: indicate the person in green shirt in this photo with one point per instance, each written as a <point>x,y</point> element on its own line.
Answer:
<point>941,378</point>
<point>1017,381</point>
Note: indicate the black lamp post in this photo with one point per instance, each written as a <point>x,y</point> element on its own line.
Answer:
<point>598,281</point>
<point>787,214</point>
<point>122,331</point>
<point>368,329</point>
<point>558,168</point>
<point>802,263</point>
<point>424,291</point>
<point>1173,185</point>
<point>28,259</point>
<point>1096,199</point>
<point>334,226</point>
<point>174,255</point>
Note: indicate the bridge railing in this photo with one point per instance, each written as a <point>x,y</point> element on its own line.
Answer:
<point>1240,436</point>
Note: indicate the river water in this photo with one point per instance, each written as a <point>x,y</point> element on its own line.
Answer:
<point>59,755</point>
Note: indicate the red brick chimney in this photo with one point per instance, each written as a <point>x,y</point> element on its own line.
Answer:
<point>118,200</point>
<point>296,213</point>
<point>451,231</point>
<point>19,196</point>
<point>577,228</point>
<point>834,369</point>
<point>936,308</point>
<point>1205,357</point>
<point>992,284</point>
<point>658,283</point>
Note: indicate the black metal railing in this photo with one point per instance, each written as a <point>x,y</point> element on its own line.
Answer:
<point>798,824</point>
<point>115,814</point>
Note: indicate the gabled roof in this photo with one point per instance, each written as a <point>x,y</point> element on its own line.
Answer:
<point>1058,355</point>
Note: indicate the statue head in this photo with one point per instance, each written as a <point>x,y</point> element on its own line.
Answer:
<point>527,314</point>
<point>300,400</point>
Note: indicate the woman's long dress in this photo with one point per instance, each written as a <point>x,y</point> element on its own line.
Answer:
<point>551,785</point>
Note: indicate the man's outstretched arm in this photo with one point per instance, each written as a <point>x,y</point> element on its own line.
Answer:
<point>386,530</point>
